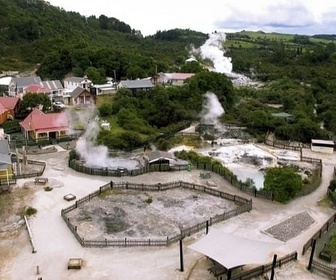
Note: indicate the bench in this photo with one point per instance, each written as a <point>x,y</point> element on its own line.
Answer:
<point>75,263</point>
<point>41,180</point>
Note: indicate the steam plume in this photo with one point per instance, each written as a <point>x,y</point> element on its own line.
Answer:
<point>212,109</point>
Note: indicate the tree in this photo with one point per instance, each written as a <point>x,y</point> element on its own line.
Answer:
<point>283,182</point>
<point>33,100</point>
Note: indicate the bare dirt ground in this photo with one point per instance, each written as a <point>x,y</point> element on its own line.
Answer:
<point>55,244</point>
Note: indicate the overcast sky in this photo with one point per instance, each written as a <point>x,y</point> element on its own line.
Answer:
<point>286,16</point>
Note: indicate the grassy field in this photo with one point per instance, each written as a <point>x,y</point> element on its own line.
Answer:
<point>252,39</point>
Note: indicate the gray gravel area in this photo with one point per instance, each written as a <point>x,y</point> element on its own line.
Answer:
<point>137,214</point>
<point>291,227</point>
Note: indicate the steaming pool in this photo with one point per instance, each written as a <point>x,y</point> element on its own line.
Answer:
<point>245,161</point>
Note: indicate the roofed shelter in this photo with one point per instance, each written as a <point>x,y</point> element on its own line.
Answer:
<point>322,146</point>
<point>233,251</point>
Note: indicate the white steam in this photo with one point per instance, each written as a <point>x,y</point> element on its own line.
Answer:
<point>214,51</point>
<point>98,156</point>
<point>212,109</point>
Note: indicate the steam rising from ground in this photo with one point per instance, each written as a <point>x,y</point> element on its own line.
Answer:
<point>214,51</point>
<point>212,109</point>
<point>98,156</point>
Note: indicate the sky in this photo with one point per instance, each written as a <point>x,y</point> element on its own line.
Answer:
<point>285,16</point>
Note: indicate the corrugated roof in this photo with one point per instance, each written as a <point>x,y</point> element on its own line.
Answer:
<point>76,80</point>
<point>281,115</point>
<point>137,84</point>
<point>77,91</point>
<point>9,102</point>
<point>157,155</point>
<point>181,76</point>
<point>37,121</point>
<point>52,85</point>
<point>36,88</point>
<point>323,142</point>
<point>26,81</point>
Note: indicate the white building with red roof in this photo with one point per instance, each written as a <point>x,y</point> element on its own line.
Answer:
<point>174,79</point>
<point>40,126</point>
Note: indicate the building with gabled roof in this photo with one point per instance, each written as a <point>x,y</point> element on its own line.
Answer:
<point>36,88</point>
<point>8,107</point>
<point>82,97</point>
<point>143,84</point>
<point>6,171</point>
<point>17,85</point>
<point>55,87</point>
<point>174,79</point>
<point>71,83</point>
<point>40,126</point>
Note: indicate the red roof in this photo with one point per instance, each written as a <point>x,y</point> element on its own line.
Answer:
<point>34,88</point>
<point>9,102</point>
<point>181,76</point>
<point>2,109</point>
<point>39,121</point>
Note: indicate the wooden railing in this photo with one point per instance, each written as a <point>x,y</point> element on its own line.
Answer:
<point>244,205</point>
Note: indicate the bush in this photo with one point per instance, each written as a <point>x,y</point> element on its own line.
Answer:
<point>48,189</point>
<point>30,211</point>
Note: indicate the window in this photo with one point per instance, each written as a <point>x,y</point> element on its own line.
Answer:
<point>43,135</point>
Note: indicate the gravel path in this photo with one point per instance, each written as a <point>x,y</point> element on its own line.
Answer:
<point>291,227</point>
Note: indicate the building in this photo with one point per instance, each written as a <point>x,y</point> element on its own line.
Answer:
<point>72,83</point>
<point>17,85</point>
<point>55,88</point>
<point>174,79</point>
<point>40,126</point>
<point>8,108</point>
<point>82,97</point>
<point>135,85</point>
<point>6,170</point>
<point>322,146</point>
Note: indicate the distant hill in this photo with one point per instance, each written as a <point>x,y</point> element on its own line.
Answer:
<point>35,32</point>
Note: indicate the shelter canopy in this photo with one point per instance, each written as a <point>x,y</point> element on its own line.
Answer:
<point>232,251</point>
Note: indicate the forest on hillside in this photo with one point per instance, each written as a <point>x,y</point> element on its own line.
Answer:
<point>36,34</point>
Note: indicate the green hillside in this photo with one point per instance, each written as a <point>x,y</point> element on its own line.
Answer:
<point>33,32</point>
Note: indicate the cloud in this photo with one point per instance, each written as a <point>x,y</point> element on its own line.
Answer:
<point>284,14</point>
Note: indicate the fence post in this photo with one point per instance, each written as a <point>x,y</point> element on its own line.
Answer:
<point>181,256</point>
<point>273,266</point>
<point>312,255</point>
<point>111,184</point>
<point>207,227</point>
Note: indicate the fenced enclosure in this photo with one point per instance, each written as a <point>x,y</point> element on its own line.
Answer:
<point>14,177</point>
<point>261,270</point>
<point>243,205</point>
<point>325,269</point>
<point>326,226</point>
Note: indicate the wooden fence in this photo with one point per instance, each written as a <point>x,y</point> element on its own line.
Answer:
<point>244,205</point>
<point>12,181</point>
<point>319,233</point>
<point>325,269</point>
<point>260,270</point>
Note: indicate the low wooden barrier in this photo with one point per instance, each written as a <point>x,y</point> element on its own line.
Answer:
<point>244,205</point>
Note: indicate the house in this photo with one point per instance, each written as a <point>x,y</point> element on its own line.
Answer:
<point>55,88</point>
<point>174,79</point>
<point>73,82</point>
<point>40,126</point>
<point>8,107</point>
<point>82,97</point>
<point>6,171</point>
<point>36,88</point>
<point>17,85</point>
<point>134,85</point>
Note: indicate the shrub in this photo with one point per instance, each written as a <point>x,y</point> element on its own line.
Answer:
<point>30,211</point>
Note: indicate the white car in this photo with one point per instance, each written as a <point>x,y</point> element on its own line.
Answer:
<point>59,105</point>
